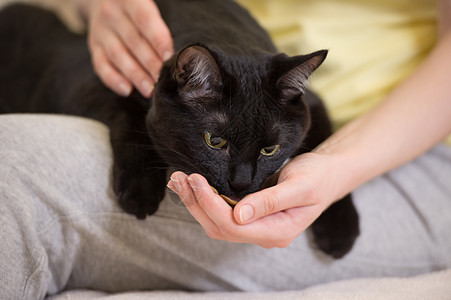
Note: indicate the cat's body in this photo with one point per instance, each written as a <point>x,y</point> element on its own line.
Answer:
<point>229,108</point>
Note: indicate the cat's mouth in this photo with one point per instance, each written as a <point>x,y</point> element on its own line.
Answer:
<point>232,200</point>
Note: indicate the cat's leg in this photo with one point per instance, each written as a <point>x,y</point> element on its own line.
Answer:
<point>139,181</point>
<point>139,175</point>
<point>336,230</point>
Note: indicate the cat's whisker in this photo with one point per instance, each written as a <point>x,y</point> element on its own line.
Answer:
<point>308,149</point>
<point>176,158</point>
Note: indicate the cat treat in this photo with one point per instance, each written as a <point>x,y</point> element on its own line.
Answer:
<point>227,199</point>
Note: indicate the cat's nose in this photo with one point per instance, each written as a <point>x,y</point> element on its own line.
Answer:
<point>238,186</point>
<point>241,178</point>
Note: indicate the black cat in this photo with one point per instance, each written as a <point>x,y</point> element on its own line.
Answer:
<point>226,106</point>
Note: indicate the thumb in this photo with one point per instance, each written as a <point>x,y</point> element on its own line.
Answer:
<point>267,202</point>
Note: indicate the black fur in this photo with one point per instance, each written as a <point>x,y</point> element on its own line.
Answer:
<point>226,79</point>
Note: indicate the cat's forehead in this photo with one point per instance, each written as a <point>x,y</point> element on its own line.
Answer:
<point>247,114</point>
<point>218,118</point>
<point>249,71</point>
<point>251,121</point>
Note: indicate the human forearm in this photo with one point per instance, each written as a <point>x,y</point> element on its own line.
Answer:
<point>414,117</point>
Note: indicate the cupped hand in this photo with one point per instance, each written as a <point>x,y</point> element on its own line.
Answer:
<point>272,217</point>
<point>128,41</point>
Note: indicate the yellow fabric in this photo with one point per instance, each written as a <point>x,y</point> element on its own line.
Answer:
<point>373,44</point>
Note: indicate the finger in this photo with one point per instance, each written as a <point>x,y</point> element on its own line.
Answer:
<point>146,16</point>
<point>180,185</point>
<point>122,60</point>
<point>108,74</point>
<point>212,204</point>
<point>139,47</point>
<point>276,230</point>
<point>284,195</point>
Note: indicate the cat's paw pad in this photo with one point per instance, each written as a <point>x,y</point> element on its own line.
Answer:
<point>139,194</point>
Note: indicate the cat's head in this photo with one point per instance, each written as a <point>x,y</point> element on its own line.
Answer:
<point>233,119</point>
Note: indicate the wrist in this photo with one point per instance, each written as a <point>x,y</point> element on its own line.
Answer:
<point>340,174</point>
<point>348,166</point>
<point>317,177</point>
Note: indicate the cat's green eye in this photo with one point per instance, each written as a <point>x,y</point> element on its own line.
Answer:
<point>214,141</point>
<point>268,151</point>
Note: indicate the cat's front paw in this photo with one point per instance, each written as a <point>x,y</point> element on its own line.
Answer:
<point>336,230</point>
<point>139,193</point>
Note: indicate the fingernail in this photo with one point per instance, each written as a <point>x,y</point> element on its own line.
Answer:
<point>166,55</point>
<point>176,184</point>
<point>124,89</point>
<point>192,183</point>
<point>195,184</point>
<point>246,213</point>
<point>147,88</point>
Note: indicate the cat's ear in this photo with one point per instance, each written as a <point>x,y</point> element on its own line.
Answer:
<point>197,72</point>
<point>293,73</point>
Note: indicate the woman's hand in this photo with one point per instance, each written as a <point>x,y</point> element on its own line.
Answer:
<point>273,217</point>
<point>128,41</point>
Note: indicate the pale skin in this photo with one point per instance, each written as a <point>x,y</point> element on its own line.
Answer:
<point>128,41</point>
<point>414,117</point>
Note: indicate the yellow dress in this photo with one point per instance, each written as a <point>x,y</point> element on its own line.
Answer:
<point>373,44</point>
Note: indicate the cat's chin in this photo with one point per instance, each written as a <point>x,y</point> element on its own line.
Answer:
<point>235,198</point>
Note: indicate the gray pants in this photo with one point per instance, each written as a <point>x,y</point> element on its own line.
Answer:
<point>61,227</point>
